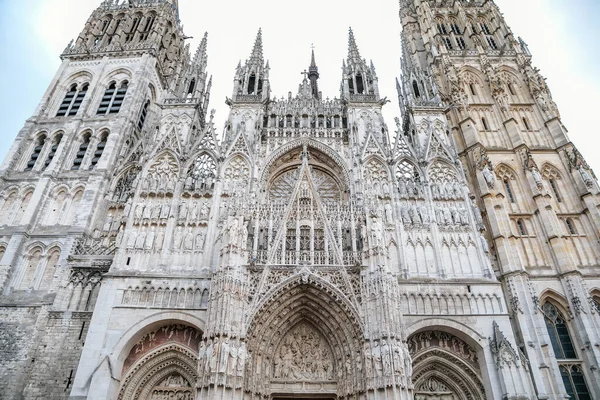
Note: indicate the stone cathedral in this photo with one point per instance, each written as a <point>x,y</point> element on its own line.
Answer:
<point>306,251</point>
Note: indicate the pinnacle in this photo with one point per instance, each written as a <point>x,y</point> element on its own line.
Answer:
<point>353,53</point>
<point>201,51</point>
<point>257,51</point>
<point>313,63</point>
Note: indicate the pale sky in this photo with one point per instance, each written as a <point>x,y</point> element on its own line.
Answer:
<point>561,34</point>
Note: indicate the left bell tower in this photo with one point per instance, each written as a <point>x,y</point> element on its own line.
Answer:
<point>69,179</point>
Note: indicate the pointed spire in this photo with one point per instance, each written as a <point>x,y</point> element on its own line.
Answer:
<point>313,75</point>
<point>201,57</point>
<point>353,53</point>
<point>257,51</point>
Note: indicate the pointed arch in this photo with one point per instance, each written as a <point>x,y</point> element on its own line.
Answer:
<point>446,362</point>
<point>162,173</point>
<point>304,301</point>
<point>310,144</point>
<point>165,356</point>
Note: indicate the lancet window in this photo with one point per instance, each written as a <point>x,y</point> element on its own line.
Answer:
<point>564,350</point>
<point>203,174</point>
<point>408,180</point>
<point>53,149</point>
<point>113,98</point>
<point>99,150</point>
<point>35,154</point>
<point>81,152</point>
<point>72,101</point>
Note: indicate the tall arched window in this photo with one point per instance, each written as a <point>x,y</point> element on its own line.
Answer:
<point>107,98</point>
<point>31,264</point>
<point>50,269</point>
<point>509,192</point>
<point>119,97</point>
<point>113,98</point>
<point>416,89</point>
<point>559,333</point>
<point>53,149</point>
<point>72,101</point>
<point>571,373</point>
<point>485,124</point>
<point>526,124</point>
<point>67,101</point>
<point>360,85</point>
<point>143,115</point>
<point>554,187</point>
<point>571,226</point>
<point>134,26</point>
<point>81,152</point>
<point>192,86</point>
<point>521,227</point>
<point>99,150</point>
<point>147,27</point>
<point>35,154</point>
<point>572,376</point>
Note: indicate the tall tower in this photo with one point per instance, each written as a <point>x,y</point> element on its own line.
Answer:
<point>72,180</point>
<point>538,195</point>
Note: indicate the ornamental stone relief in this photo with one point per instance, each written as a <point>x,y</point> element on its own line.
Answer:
<point>181,334</point>
<point>424,341</point>
<point>303,355</point>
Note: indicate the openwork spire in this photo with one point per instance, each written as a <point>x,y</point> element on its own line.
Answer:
<point>353,53</point>
<point>201,53</point>
<point>257,51</point>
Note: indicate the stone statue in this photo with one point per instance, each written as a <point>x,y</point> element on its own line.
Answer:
<point>537,177</point>
<point>376,232</point>
<point>490,179</point>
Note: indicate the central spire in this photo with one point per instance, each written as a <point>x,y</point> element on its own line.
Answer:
<point>313,75</point>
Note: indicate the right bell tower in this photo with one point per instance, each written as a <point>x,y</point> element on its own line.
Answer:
<point>539,198</point>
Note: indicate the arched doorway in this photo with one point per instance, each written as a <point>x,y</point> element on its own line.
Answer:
<point>445,367</point>
<point>162,365</point>
<point>305,343</point>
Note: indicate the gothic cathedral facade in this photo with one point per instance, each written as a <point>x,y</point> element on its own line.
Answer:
<point>306,252</point>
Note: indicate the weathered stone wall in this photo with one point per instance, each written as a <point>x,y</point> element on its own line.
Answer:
<point>18,332</point>
<point>57,355</point>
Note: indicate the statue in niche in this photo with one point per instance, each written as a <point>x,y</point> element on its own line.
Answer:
<point>178,239</point>
<point>132,238</point>
<point>241,359</point>
<point>160,238</point>
<point>150,239</point>
<point>141,239</point>
<point>587,179</point>
<point>388,214</point>
<point>484,244</point>
<point>188,242</point>
<point>489,177</point>
<point>376,232</point>
<point>537,177</point>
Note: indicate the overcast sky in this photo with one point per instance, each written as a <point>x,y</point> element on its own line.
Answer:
<point>562,35</point>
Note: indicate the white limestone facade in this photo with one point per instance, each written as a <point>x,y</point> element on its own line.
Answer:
<point>306,252</point>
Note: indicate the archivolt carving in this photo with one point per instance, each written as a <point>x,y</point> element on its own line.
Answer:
<point>444,366</point>
<point>156,367</point>
<point>268,170</point>
<point>304,312</point>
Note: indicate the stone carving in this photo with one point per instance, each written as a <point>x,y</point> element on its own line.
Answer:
<point>429,340</point>
<point>303,355</point>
